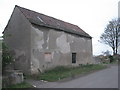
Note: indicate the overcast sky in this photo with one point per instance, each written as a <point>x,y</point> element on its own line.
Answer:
<point>90,15</point>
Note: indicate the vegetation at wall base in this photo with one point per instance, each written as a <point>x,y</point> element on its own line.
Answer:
<point>61,72</point>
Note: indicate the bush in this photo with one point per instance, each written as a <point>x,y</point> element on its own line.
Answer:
<point>111,58</point>
<point>7,56</point>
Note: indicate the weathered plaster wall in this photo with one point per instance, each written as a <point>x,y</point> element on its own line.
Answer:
<point>17,37</point>
<point>59,47</point>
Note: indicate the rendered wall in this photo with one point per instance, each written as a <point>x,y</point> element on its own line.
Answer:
<point>51,48</point>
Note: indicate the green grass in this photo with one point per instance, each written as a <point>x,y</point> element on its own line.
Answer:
<point>64,72</point>
<point>21,85</point>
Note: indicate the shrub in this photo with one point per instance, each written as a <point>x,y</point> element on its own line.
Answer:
<point>111,58</point>
<point>7,56</point>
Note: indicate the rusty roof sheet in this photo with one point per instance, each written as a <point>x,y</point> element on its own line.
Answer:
<point>47,21</point>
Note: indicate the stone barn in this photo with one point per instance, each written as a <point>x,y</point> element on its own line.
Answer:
<point>41,42</point>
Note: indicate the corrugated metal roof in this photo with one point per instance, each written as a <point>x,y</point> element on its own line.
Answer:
<point>47,21</point>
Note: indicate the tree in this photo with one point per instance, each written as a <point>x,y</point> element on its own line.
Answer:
<point>111,35</point>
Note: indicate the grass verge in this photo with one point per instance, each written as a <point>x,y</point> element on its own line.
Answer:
<point>21,85</point>
<point>65,72</point>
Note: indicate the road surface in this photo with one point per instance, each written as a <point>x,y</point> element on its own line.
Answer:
<point>107,78</point>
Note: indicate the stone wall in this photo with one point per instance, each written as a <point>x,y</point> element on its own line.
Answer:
<point>12,77</point>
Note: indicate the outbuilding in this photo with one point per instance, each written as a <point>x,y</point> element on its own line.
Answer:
<point>41,42</point>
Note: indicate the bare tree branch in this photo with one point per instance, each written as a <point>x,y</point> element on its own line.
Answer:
<point>111,35</point>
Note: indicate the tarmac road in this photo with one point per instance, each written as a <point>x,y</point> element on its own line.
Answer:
<point>107,78</point>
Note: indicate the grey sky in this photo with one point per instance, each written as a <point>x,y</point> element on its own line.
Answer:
<point>90,15</point>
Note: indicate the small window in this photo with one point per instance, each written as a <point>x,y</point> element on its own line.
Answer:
<point>48,57</point>
<point>73,57</point>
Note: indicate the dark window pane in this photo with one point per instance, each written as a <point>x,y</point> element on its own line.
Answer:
<point>73,57</point>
